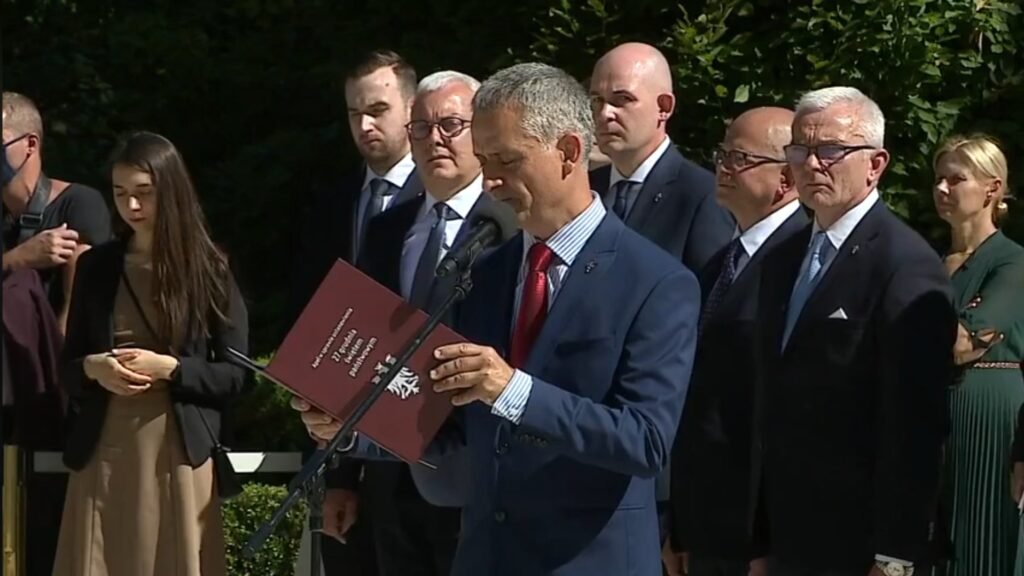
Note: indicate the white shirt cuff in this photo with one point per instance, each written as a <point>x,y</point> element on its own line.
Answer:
<point>882,558</point>
<point>512,401</point>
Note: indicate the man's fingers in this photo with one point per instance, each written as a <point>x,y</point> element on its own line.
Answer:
<point>457,382</point>
<point>300,404</point>
<point>456,350</point>
<point>460,365</point>
<point>130,376</point>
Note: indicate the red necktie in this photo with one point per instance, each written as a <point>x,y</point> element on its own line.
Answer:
<point>533,307</point>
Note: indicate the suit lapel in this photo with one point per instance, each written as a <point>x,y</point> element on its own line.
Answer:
<point>581,282</point>
<point>494,282</point>
<point>413,187</point>
<point>400,221</point>
<point>654,189</point>
<point>443,286</point>
<point>351,197</point>
<point>844,269</point>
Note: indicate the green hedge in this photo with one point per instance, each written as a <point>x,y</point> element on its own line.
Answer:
<point>244,514</point>
<point>251,89</point>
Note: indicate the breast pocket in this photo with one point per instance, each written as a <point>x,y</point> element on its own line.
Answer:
<point>838,340</point>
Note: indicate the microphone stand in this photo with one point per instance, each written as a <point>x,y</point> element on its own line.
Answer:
<point>309,482</point>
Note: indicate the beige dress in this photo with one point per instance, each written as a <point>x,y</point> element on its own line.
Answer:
<point>138,508</point>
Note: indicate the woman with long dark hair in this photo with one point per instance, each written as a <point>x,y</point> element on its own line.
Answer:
<point>152,313</point>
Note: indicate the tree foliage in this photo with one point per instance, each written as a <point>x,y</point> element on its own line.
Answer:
<point>250,90</point>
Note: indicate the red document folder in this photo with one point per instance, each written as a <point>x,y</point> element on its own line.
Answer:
<point>351,327</point>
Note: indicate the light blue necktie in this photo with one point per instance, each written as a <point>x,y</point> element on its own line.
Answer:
<point>821,250</point>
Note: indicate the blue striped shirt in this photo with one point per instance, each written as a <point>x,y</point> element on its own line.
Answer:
<point>566,244</point>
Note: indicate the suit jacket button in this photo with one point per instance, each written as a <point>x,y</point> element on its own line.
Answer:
<point>502,448</point>
<point>499,516</point>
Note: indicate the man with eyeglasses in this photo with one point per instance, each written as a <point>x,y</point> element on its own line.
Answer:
<point>415,513</point>
<point>715,527</point>
<point>856,337</point>
<point>48,224</point>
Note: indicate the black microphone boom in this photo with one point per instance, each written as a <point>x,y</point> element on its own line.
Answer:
<point>494,223</point>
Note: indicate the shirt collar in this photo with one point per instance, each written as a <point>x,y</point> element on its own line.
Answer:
<point>463,200</point>
<point>568,242</point>
<point>838,232</point>
<point>397,175</point>
<point>644,169</point>
<point>755,236</point>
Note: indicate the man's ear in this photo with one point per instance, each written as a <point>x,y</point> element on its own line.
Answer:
<point>570,150</point>
<point>666,107</point>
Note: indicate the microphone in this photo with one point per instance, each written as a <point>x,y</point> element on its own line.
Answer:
<point>493,223</point>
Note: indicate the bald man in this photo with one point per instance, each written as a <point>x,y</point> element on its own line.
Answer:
<point>649,185</point>
<point>714,517</point>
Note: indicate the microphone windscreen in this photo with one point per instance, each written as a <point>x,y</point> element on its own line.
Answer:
<point>501,214</point>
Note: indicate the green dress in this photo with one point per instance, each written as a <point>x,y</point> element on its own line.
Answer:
<point>989,293</point>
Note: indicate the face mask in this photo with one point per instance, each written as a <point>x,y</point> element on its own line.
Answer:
<point>8,171</point>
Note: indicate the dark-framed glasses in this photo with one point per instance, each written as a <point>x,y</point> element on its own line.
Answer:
<point>827,154</point>
<point>736,159</point>
<point>450,127</point>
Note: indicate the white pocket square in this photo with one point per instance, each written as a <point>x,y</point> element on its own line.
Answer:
<point>839,313</point>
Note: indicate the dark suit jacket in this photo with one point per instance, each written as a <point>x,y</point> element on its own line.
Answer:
<point>325,231</point>
<point>204,382</point>
<point>676,209</point>
<point>712,508</point>
<point>570,489</point>
<point>855,410</point>
<point>383,263</point>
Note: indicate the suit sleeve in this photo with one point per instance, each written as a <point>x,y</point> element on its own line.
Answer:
<point>633,429</point>
<point>76,341</point>
<point>916,337</point>
<point>214,377</point>
<point>712,229</point>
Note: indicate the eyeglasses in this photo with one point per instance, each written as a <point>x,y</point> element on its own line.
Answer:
<point>450,126</point>
<point>18,139</point>
<point>827,154</point>
<point>741,159</point>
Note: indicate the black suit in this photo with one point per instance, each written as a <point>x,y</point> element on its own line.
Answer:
<point>713,511</point>
<point>854,411</point>
<point>412,536</point>
<point>203,383</point>
<point>324,231</point>
<point>676,209</point>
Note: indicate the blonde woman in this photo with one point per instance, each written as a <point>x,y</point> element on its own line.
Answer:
<point>987,271</point>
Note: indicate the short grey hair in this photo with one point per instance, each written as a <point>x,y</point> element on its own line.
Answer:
<point>439,80</point>
<point>872,121</point>
<point>552,103</point>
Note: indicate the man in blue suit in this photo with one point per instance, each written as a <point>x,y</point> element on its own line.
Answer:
<point>581,340</point>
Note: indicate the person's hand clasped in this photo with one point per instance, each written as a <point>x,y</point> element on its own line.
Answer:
<point>321,427</point>
<point>971,347</point>
<point>146,362</point>
<point>53,247</point>
<point>474,372</point>
<point>112,375</point>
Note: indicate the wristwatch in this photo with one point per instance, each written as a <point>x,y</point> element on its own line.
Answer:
<point>894,568</point>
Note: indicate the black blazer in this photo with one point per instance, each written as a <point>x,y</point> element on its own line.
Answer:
<point>676,209</point>
<point>204,382</point>
<point>855,412</point>
<point>326,231</point>
<point>386,234</point>
<point>712,506</point>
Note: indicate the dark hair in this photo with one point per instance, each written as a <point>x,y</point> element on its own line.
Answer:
<point>377,59</point>
<point>190,274</point>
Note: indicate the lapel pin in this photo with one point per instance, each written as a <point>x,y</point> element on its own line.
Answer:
<point>657,198</point>
<point>590,267</point>
<point>856,247</point>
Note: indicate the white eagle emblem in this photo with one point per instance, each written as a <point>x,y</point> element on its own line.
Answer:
<point>405,384</point>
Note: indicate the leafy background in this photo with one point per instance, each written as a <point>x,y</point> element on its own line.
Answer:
<point>251,92</point>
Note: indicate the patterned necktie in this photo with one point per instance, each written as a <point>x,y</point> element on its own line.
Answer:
<point>723,283</point>
<point>623,188</point>
<point>423,280</point>
<point>821,249</point>
<point>533,307</point>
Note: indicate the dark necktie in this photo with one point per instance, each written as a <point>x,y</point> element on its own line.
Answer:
<point>533,306</point>
<point>623,188</point>
<point>423,280</point>
<point>379,189</point>
<point>722,283</point>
